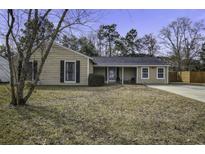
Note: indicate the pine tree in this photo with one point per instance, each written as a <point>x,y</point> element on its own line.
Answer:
<point>133,43</point>
<point>87,47</point>
<point>108,34</point>
<point>70,42</point>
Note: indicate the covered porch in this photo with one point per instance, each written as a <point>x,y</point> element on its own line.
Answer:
<point>122,75</point>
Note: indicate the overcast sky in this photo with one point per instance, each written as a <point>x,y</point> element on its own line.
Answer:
<point>145,21</point>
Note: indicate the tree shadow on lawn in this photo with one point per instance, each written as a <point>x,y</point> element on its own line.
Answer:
<point>81,88</point>
<point>55,127</point>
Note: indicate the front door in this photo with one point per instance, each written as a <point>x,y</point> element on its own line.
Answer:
<point>112,74</point>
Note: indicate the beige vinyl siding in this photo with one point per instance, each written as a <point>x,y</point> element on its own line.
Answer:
<point>152,76</point>
<point>51,70</point>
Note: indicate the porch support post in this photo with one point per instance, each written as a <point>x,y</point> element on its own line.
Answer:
<point>167,75</point>
<point>107,75</point>
<point>136,74</point>
<point>122,75</point>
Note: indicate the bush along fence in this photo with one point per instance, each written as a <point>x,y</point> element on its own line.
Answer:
<point>187,77</point>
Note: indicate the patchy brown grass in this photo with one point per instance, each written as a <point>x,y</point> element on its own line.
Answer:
<point>102,115</point>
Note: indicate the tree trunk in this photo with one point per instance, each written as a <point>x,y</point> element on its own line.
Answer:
<point>21,101</point>
<point>10,25</point>
<point>179,64</point>
<point>187,65</point>
<point>43,59</point>
<point>17,79</point>
<point>13,96</point>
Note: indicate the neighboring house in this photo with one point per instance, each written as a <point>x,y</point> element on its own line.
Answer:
<point>4,70</point>
<point>67,67</point>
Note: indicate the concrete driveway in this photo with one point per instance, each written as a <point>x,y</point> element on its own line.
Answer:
<point>190,91</point>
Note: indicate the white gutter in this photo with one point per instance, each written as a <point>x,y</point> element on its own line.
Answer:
<point>127,65</point>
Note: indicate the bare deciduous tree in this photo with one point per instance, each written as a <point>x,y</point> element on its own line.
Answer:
<point>183,38</point>
<point>108,34</point>
<point>193,40</point>
<point>150,45</point>
<point>36,30</point>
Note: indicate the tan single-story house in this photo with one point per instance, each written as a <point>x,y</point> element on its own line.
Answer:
<point>67,67</point>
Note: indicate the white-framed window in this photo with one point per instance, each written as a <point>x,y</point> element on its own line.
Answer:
<point>160,72</point>
<point>145,72</point>
<point>70,71</point>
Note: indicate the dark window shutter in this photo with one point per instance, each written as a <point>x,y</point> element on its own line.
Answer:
<point>118,74</point>
<point>78,71</point>
<point>105,73</point>
<point>35,67</point>
<point>62,71</point>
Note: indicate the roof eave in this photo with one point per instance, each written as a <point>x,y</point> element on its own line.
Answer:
<point>121,65</point>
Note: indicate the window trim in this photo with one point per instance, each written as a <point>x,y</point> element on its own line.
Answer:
<point>142,72</point>
<point>158,72</point>
<point>65,71</point>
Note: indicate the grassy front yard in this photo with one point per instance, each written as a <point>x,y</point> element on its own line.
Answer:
<point>102,115</point>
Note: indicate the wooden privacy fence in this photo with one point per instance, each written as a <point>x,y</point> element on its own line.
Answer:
<point>187,77</point>
<point>172,76</point>
<point>197,77</point>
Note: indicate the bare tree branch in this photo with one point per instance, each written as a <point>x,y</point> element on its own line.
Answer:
<point>10,25</point>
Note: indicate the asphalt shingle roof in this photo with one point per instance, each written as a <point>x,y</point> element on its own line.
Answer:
<point>105,61</point>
